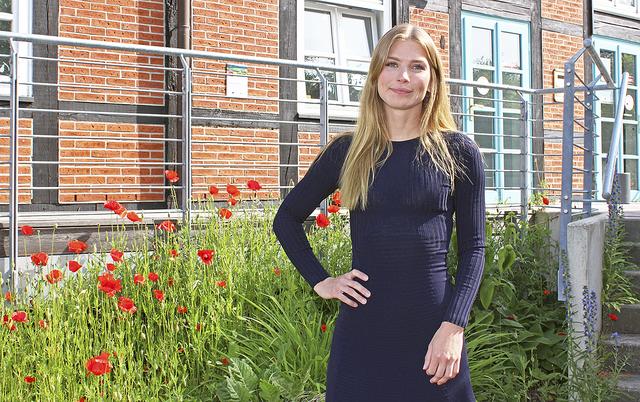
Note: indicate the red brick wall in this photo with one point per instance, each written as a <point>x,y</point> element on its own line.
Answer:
<point>24,155</point>
<point>133,21</point>
<point>554,164</point>
<point>563,10</point>
<point>246,161</point>
<point>437,25</point>
<point>241,27</point>
<point>557,48</point>
<point>86,148</point>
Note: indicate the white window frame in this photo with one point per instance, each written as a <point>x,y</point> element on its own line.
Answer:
<point>380,13</point>
<point>22,14</point>
<point>610,7</point>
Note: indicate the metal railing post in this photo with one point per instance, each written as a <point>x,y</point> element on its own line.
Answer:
<point>186,142</point>
<point>324,121</point>
<point>612,155</point>
<point>567,170</point>
<point>589,146</point>
<point>13,165</point>
<point>525,149</point>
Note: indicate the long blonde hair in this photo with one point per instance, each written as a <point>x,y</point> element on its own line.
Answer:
<point>370,138</point>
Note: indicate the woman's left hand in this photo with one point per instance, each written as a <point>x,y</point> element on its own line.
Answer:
<point>443,353</point>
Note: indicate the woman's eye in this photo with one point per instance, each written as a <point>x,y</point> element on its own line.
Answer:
<point>391,64</point>
<point>419,67</point>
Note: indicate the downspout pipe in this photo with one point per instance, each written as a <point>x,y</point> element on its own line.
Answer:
<point>184,24</point>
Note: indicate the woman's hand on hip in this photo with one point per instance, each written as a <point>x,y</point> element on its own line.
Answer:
<point>339,287</point>
<point>444,352</point>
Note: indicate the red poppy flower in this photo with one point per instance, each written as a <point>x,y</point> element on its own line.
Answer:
<point>54,276</point>
<point>182,310</point>
<point>40,259</point>
<point>43,324</point>
<point>115,207</point>
<point>138,279</point>
<point>276,271</point>
<point>109,284</point>
<point>323,327</point>
<point>170,281</point>
<point>125,304</point>
<point>167,226</point>
<point>111,267</point>
<point>225,213</point>
<point>171,175</point>
<point>99,365</point>
<point>19,316</point>
<point>82,399</point>
<point>335,197</point>
<point>224,361</point>
<point>173,253</point>
<point>232,201</point>
<point>612,316</point>
<point>546,292</point>
<point>153,277</point>
<point>29,379</point>
<point>5,319</point>
<point>133,217</point>
<point>116,255</point>
<point>77,246</point>
<point>322,220</point>
<point>333,208</point>
<point>222,284</point>
<point>158,294</point>
<point>198,327</point>
<point>213,190</point>
<point>8,297</point>
<point>545,200</point>
<point>233,190</point>
<point>206,256</point>
<point>74,266</point>
<point>26,230</point>
<point>254,185</point>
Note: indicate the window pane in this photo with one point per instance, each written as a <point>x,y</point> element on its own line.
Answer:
<point>630,102</point>
<point>356,32</point>
<point>313,88</point>
<point>510,51</point>
<point>629,66</point>
<point>512,162</point>
<point>631,166</point>
<point>357,80</point>
<point>4,44</point>
<point>490,165</point>
<point>483,76</point>
<point>512,127</point>
<point>5,6</point>
<point>481,46</point>
<point>607,130</point>
<point>630,136</point>
<point>317,32</point>
<point>483,122</point>
<point>514,79</point>
<point>606,97</point>
<point>628,3</point>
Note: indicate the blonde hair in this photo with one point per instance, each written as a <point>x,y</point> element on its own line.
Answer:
<point>370,138</point>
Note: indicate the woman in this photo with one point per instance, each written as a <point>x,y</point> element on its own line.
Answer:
<point>402,174</point>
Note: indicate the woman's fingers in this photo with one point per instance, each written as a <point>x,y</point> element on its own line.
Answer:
<point>356,273</point>
<point>439,373</point>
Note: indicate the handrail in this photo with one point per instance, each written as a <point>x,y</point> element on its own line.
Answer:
<point>612,156</point>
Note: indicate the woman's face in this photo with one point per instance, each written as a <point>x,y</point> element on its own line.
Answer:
<point>405,76</point>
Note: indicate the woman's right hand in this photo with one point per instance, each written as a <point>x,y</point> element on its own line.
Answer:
<point>338,287</point>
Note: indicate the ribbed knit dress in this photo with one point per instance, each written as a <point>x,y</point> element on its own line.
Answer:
<point>400,241</point>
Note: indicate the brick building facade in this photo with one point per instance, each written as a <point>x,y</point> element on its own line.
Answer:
<point>523,42</point>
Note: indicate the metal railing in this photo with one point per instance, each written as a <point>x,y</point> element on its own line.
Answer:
<point>198,104</point>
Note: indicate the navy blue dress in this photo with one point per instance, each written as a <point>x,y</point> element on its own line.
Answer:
<point>400,241</point>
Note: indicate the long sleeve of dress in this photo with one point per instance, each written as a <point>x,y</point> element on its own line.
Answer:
<point>317,184</point>
<point>469,205</point>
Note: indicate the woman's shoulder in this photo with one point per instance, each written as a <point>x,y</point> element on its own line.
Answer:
<point>460,144</point>
<point>339,144</point>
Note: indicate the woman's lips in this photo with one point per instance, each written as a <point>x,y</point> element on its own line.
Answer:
<point>400,91</point>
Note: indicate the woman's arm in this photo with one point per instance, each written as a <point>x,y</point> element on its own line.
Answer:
<point>469,204</point>
<point>317,184</point>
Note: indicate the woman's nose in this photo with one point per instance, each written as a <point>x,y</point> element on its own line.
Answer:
<point>403,75</point>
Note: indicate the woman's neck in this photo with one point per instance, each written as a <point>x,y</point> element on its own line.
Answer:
<point>403,124</point>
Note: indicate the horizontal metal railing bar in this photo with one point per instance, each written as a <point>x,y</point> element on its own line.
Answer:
<point>487,116</point>
<point>102,63</point>
<point>99,112</point>
<point>267,77</point>
<point>208,118</point>
<point>481,98</point>
<point>93,186</point>
<point>548,91</point>
<point>557,137</point>
<point>89,138</point>
<point>105,163</point>
<point>108,87</point>
<point>452,81</point>
<point>312,102</point>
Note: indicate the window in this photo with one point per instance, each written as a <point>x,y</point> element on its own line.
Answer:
<point>496,51</point>
<point>15,16</point>
<point>619,57</point>
<point>340,34</point>
<point>629,8</point>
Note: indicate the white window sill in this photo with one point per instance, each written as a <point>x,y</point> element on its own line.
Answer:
<point>308,111</point>
<point>619,13</point>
